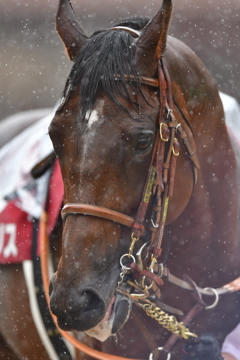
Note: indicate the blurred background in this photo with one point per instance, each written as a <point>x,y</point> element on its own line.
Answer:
<point>34,67</point>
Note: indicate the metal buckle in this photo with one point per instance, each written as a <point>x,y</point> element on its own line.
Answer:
<point>160,270</point>
<point>169,112</point>
<point>173,150</point>
<point>154,225</point>
<point>161,133</point>
<point>161,349</point>
<point>178,126</point>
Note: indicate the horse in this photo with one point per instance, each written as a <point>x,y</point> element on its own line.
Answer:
<point>150,190</point>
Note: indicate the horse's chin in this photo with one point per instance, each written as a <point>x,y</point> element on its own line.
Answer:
<point>116,316</point>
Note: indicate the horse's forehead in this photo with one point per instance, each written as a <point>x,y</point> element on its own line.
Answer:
<point>96,115</point>
<point>95,119</point>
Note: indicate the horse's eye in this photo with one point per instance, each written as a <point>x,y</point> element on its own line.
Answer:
<point>144,142</point>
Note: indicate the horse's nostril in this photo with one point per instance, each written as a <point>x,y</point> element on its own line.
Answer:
<point>77,309</point>
<point>90,302</point>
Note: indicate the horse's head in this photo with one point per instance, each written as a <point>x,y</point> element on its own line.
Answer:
<point>103,134</point>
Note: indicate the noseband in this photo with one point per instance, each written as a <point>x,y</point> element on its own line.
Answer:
<point>93,210</point>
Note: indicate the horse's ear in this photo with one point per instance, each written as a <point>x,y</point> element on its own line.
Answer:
<point>152,41</point>
<point>69,29</point>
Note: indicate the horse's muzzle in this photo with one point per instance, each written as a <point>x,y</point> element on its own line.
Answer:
<point>76,308</point>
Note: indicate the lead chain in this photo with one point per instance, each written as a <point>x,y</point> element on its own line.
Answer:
<point>169,322</point>
<point>124,270</point>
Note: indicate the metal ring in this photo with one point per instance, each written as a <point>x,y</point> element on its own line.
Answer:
<point>128,257</point>
<point>216,298</point>
<point>160,348</point>
<point>160,270</point>
<point>153,224</point>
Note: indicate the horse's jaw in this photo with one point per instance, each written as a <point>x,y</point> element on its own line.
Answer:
<point>116,316</point>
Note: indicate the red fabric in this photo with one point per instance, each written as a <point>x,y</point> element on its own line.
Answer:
<point>16,225</point>
<point>55,198</point>
<point>15,235</point>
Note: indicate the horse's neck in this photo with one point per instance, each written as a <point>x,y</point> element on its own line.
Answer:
<point>204,237</point>
<point>212,210</point>
<point>207,228</point>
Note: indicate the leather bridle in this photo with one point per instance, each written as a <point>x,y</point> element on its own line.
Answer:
<point>161,171</point>
<point>163,162</point>
<point>159,187</point>
<point>160,181</point>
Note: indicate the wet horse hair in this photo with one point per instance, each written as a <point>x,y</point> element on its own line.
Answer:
<point>105,55</point>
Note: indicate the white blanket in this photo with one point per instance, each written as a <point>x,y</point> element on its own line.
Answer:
<point>231,344</point>
<point>17,158</point>
<point>232,115</point>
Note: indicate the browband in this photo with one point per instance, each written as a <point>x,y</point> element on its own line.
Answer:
<point>133,32</point>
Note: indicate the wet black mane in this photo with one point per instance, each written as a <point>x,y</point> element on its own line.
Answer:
<point>106,54</point>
